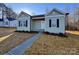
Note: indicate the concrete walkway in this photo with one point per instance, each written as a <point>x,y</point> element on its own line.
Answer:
<point>20,49</point>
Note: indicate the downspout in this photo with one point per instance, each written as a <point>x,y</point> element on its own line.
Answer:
<point>66,20</point>
<point>30,23</point>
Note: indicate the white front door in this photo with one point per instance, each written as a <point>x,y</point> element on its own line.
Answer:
<point>42,25</point>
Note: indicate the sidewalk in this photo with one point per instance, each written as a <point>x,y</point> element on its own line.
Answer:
<point>20,49</point>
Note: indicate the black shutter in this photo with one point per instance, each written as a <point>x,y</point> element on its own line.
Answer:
<point>57,22</point>
<point>26,23</point>
<point>49,22</point>
<point>19,23</point>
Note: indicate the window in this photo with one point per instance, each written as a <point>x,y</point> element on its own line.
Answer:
<point>57,22</point>
<point>19,23</point>
<point>6,23</point>
<point>26,23</point>
<point>49,22</point>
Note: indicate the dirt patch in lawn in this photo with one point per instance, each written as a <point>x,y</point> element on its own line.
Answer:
<point>14,40</point>
<point>55,45</point>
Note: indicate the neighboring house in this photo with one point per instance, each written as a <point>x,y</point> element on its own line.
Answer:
<point>7,22</point>
<point>7,16</point>
<point>10,22</point>
<point>24,22</point>
<point>1,22</point>
<point>52,22</point>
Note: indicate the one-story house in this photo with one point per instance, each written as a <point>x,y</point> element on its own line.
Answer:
<point>52,22</point>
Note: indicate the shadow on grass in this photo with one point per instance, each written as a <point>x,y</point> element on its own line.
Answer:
<point>60,34</point>
<point>27,31</point>
<point>54,34</point>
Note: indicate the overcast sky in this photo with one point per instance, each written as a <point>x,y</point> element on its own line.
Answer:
<point>40,8</point>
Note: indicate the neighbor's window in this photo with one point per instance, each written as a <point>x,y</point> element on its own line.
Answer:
<point>26,23</point>
<point>57,22</point>
<point>19,23</point>
<point>6,23</point>
<point>49,22</point>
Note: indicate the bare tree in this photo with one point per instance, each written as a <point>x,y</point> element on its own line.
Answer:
<point>77,16</point>
<point>67,18</point>
<point>33,13</point>
<point>46,10</point>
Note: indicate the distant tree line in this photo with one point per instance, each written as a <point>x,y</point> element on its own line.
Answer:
<point>72,22</point>
<point>6,10</point>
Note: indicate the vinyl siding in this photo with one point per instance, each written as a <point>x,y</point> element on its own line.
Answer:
<point>54,28</point>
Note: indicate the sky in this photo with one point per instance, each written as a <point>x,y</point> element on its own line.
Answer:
<point>41,8</point>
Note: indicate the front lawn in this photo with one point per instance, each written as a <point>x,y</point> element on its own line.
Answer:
<point>55,45</point>
<point>6,31</point>
<point>14,40</point>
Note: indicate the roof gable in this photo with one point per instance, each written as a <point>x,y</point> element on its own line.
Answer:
<point>56,12</point>
<point>23,14</point>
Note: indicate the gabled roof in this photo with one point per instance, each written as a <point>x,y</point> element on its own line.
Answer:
<point>57,10</point>
<point>42,16</point>
<point>23,13</point>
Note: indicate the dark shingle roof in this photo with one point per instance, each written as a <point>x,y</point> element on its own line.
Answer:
<point>11,19</point>
<point>1,19</point>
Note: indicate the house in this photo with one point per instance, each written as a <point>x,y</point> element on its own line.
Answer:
<point>7,21</point>
<point>24,22</point>
<point>10,22</point>
<point>1,19</point>
<point>7,16</point>
<point>52,22</point>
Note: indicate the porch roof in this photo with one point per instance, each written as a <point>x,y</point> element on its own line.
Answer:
<point>38,17</point>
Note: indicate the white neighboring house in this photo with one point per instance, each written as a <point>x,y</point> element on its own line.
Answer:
<point>24,22</point>
<point>7,22</point>
<point>52,22</point>
<point>1,20</point>
<point>10,22</point>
